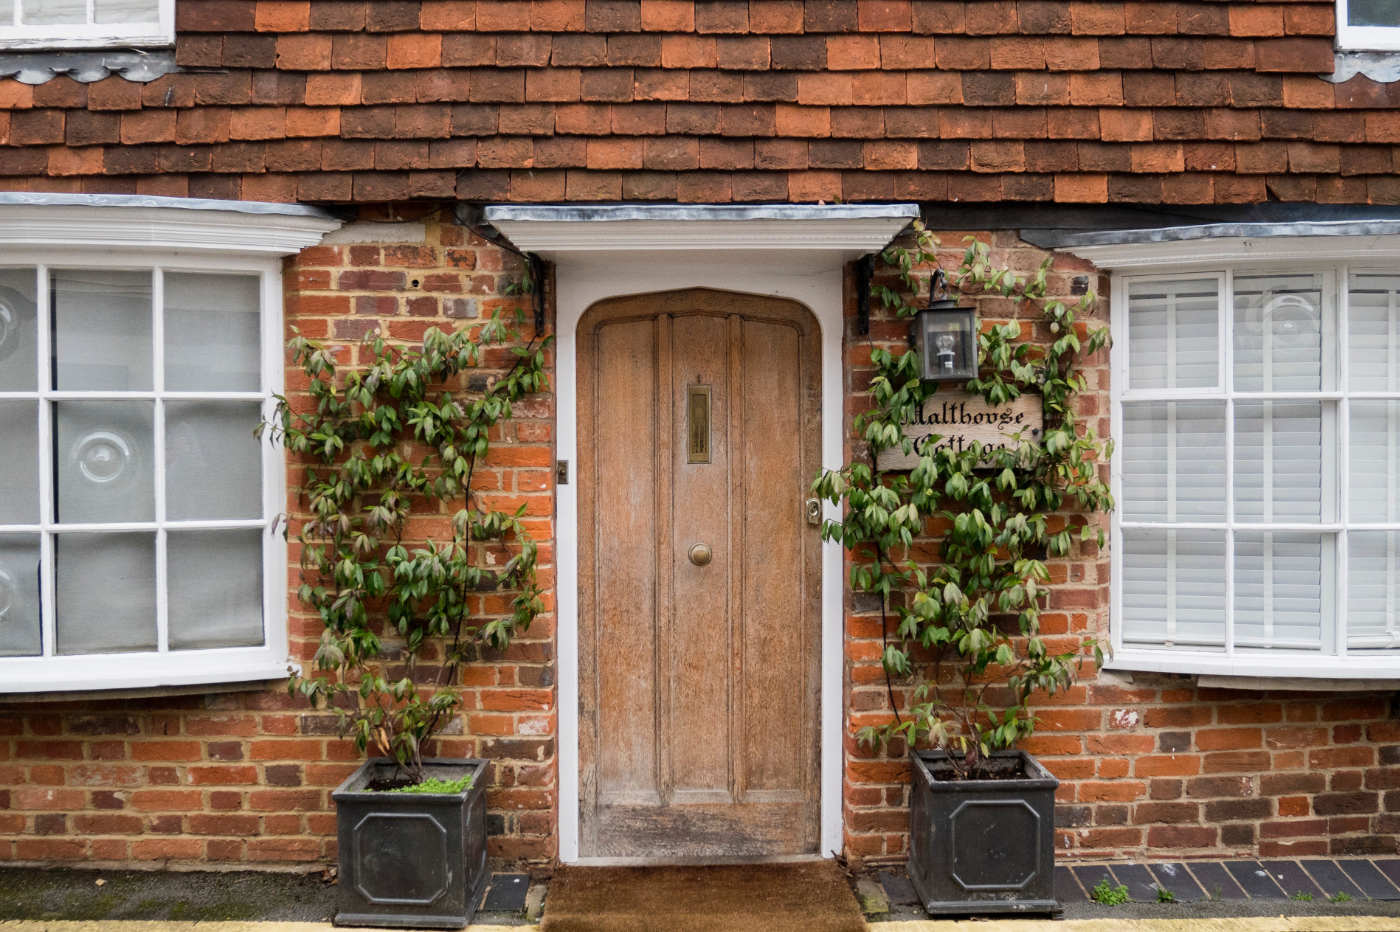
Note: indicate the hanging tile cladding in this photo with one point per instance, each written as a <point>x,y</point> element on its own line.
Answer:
<point>597,100</point>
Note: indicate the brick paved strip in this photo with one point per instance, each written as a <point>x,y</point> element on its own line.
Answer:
<point>1330,878</point>
<point>1293,879</point>
<point>1371,881</point>
<point>1255,880</point>
<point>1177,879</point>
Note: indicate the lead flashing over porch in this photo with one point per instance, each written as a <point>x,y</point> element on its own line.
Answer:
<point>1229,242</point>
<point>849,230</point>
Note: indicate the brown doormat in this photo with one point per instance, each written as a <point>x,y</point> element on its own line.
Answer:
<point>809,896</point>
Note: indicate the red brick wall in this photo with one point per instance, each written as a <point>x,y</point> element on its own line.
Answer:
<point>245,777</point>
<point>1157,768</point>
<point>1151,767</point>
<point>1082,101</point>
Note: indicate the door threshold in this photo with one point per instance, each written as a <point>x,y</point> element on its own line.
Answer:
<point>701,861</point>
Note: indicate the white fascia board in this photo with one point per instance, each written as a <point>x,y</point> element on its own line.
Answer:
<point>848,231</point>
<point>1209,251</point>
<point>174,228</point>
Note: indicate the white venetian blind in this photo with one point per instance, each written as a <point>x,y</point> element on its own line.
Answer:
<point>1373,474</point>
<point>1172,456</point>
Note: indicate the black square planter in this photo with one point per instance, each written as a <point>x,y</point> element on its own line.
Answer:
<point>983,846</point>
<point>411,860</point>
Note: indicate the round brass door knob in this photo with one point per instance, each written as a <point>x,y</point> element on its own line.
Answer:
<point>700,554</point>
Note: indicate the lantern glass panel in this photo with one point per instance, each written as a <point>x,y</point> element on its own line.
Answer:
<point>947,344</point>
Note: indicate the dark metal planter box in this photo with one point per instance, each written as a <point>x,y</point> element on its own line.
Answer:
<point>411,860</point>
<point>983,846</point>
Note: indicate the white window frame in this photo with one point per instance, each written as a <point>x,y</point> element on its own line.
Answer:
<point>91,35</point>
<point>166,235</point>
<point>1365,38</point>
<point>1337,257</point>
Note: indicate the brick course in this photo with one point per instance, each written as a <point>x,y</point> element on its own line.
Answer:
<point>500,86</point>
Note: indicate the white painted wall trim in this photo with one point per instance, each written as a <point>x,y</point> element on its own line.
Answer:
<point>847,230</point>
<point>114,222</point>
<point>582,280</point>
<point>793,252</point>
<point>1215,251</point>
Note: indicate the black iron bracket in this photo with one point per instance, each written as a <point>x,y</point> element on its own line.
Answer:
<point>865,271</point>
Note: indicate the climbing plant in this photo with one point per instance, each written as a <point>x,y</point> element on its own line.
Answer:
<point>964,630</point>
<point>404,600</point>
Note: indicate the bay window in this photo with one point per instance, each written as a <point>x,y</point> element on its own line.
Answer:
<point>1368,24</point>
<point>73,24</point>
<point>1257,474</point>
<point>140,538</point>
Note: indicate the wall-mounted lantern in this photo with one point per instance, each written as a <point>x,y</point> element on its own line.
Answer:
<point>946,336</point>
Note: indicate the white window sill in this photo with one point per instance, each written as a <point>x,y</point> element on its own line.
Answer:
<point>153,672</point>
<point>1284,671</point>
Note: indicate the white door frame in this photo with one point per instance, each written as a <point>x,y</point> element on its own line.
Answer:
<point>797,253</point>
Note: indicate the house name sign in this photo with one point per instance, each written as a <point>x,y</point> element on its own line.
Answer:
<point>957,420</point>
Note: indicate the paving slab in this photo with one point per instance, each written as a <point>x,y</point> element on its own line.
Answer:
<point>1215,880</point>
<point>1245,924</point>
<point>1255,880</point>
<point>1176,878</point>
<point>1330,878</point>
<point>1390,867</point>
<point>1091,875</point>
<point>1067,889</point>
<point>506,894</point>
<point>1293,879</point>
<point>898,888</point>
<point>1371,881</point>
<point>1142,886</point>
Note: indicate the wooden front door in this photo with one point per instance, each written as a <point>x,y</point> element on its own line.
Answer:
<point>698,690</point>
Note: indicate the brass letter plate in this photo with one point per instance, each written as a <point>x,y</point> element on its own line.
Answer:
<point>697,414</point>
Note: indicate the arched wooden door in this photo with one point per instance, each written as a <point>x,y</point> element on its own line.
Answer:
<point>699,627</point>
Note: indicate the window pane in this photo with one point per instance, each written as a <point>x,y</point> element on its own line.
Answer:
<point>1174,588</point>
<point>125,11</point>
<point>1174,461</point>
<point>1374,484</point>
<point>1279,590</point>
<point>211,333</point>
<point>17,331</point>
<point>19,595</point>
<point>19,462</point>
<point>1373,340</point>
<point>1278,333</point>
<point>1173,334</point>
<point>104,462</point>
<point>215,589</point>
<point>1373,12</point>
<point>1278,461</point>
<point>102,330</point>
<point>213,462</point>
<point>1373,589</point>
<point>43,12</point>
<point>106,592</point>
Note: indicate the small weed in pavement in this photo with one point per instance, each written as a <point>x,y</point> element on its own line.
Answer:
<point>1303,896</point>
<point>1165,896</point>
<point>1109,895</point>
<point>1341,896</point>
